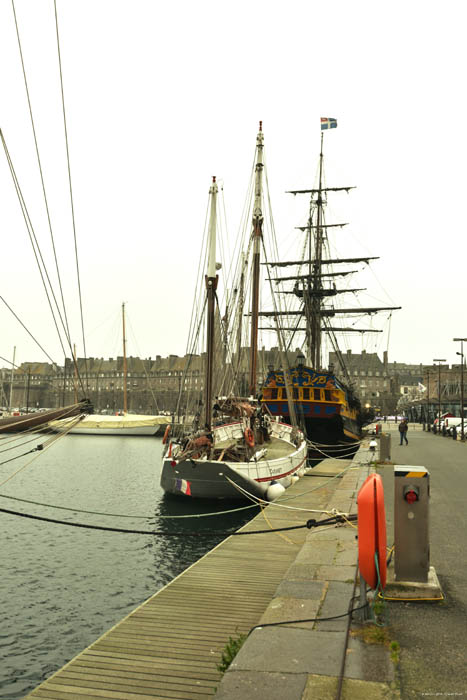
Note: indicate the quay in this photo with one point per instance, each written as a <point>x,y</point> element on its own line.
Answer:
<point>171,645</point>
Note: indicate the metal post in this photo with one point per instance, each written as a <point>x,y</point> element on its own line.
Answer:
<point>461,353</point>
<point>462,396</point>
<point>439,391</point>
<point>428,397</point>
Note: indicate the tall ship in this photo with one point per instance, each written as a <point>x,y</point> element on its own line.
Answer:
<point>324,400</point>
<point>232,449</point>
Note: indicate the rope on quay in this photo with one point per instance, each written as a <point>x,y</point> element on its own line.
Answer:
<point>336,519</point>
<point>309,619</point>
<point>261,502</point>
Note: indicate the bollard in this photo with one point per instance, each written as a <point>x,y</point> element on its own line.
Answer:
<point>385,447</point>
<point>411,545</point>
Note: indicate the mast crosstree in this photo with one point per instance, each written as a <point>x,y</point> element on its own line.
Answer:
<point>310,287</point>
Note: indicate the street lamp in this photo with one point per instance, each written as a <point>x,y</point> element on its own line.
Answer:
<point>428,397</point>
<point>439,391</point>
<point>461,353</point>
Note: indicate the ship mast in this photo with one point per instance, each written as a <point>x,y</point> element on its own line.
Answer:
<point>257,237</point>
<point>211,286</point>
<point>315,273</point>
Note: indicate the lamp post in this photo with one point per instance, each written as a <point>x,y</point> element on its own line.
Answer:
<point>428,395</point>
<point>439,391</point>
<point>461,353</point>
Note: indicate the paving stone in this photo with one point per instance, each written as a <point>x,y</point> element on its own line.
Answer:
<point>290,650</point>
<point>325,688</point>
<point>344,491</point>
<point>347,557</point>
<point>343,505</point>
<point>283,609</point>
<point>238,685</point>
<point>302,572</point>
<point>336,602</point>
<point>311,590</point>
<point>317,553</point>
<point>342,534</point>
<point>369,662</point>
<point>336,573</point>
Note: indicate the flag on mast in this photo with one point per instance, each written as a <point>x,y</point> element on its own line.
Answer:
<point>328,123</point>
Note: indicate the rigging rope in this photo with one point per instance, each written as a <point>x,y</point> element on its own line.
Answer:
<point>45,446</point>
<point>27,331</point>
<point>71,197</point>
<point>65,325</point>
<point>32,235</point>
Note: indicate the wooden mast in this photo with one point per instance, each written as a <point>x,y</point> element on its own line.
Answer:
<point>125,369</point>
<point>316,273</point>
<point>257,238</point>
<point>211,286</point>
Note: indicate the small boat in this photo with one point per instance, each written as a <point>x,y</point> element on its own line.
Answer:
<point>42,419</point>
<point>123,423</point>
<point>240,450</point>
<point>324,400</point>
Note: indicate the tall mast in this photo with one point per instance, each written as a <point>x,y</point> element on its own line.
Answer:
<point>241,300</point>
<point>315,349</point>
<point>125,369</point>
<point>257,236</point>
<point>211,285</point>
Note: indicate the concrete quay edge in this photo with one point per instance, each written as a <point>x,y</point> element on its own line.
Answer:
<point>302,660</point>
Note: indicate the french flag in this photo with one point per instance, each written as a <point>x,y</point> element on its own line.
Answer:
<point>184,486</point>
<point>328,123</point>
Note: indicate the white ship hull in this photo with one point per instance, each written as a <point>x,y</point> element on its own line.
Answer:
<point>114,425</point>
<point>204,478</point>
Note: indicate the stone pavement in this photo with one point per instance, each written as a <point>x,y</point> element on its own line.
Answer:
<point>303,660</point>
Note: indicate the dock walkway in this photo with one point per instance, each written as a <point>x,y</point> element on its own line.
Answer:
<point>170,646</point>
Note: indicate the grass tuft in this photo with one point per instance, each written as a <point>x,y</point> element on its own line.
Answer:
<point>231,650</point>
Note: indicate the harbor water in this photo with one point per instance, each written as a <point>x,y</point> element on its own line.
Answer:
<point>62,586</point>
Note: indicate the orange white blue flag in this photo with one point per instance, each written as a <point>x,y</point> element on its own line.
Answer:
<point>328,123</point>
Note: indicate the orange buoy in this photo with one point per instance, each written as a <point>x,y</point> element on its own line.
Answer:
<point>249,437</point>
<point>372,531</point>
<point>166,435</point>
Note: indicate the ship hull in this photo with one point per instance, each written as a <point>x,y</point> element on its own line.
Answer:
<point>219,479</point>
<point>324,407</point>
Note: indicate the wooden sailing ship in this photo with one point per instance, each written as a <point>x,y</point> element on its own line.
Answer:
<point>324,400</point>
<point>239,450</point>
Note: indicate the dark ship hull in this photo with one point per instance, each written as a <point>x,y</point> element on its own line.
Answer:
<point>328,411</point>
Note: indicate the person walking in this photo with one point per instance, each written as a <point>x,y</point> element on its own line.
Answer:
<point>403,427</point>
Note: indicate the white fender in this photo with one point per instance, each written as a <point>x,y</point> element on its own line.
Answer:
<point>274,491</point>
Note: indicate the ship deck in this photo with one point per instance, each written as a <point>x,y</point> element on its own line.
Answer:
<point>276,448</point>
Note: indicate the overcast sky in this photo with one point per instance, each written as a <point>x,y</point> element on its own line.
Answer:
<point>160,96</point>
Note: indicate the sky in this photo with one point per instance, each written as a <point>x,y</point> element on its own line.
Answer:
<point>161,96</point>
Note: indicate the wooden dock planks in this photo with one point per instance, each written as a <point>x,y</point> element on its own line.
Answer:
<point>169,647</point>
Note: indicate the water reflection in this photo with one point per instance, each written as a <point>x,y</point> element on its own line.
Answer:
<point>63,587</point>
